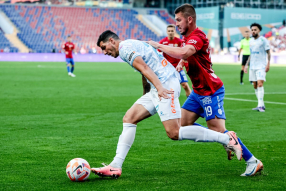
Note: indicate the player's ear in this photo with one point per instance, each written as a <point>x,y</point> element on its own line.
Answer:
<point>112,40</point>
<point>190,20</point>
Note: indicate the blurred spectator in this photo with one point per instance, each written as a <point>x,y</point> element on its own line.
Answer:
<point>94,51</point>
<point>82,50</point>
<point>273,30</point>
<point>6,49</point>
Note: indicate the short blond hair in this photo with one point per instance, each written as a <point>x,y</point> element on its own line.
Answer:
<point>171,25</point>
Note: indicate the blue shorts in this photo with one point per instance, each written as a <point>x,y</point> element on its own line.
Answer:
<point>206,106</point>
<point>70,60</point>
<point>183,76</point>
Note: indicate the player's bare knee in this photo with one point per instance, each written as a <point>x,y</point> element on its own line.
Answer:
<point>184,85</point>
<point>173,134</point>
<point>260,85</point>
<point>127,119</point>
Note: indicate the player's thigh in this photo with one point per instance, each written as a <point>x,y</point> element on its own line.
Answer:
<point>185,85</point>
<point>168,108</point>
<point>68,60</point>
<point>213,105</point>
<point>244,60</point>
<point>72,62</point>
<point>216,124</point>
<point>191,110</point>
<point>188,117</point>
<point>260,76</point>
<point>136,114</point>
<point>140,110</point>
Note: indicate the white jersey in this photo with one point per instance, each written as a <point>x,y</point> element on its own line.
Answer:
<point>258,53</point>
<point>130,49</point>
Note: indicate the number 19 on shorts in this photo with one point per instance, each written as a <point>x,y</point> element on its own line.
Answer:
<point>209,111</point>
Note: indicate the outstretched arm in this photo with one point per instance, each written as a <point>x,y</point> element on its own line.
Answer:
<point>176,52</point>
<point>141,66</point>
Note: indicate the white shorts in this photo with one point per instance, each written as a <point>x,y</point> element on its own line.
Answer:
<point>257,74</point>
<point>166,108</point>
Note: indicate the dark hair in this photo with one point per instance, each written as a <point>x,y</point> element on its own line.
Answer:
<point>247,31</point>
<point>256,25</point>
<point>105,36</point>
<point>69,36</point>
<point>187,9</point>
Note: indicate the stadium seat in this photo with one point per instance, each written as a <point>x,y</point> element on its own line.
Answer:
<point>43,28</point>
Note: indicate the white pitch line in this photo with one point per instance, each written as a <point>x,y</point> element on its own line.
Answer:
<point>254,93</point>
<point>248,100</point>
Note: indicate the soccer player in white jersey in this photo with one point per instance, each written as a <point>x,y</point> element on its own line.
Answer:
<point>259,50</point>
<point>163,99</point>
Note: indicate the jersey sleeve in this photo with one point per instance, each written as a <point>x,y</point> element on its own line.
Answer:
<point>180,42</point>
<point>127,53</point>
<point>266,44</point>
<point>241,44</point>
<point>64,46</point>
<point>196,41</point>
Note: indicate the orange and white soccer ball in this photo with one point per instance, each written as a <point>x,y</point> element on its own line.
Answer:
<point>78,169</point>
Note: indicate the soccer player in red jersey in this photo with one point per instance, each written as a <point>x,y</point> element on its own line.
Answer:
<point>206,99</point>
<point>68,48</point>
<point>173,41</point>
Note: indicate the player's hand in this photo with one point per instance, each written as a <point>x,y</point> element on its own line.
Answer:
<point>154,44</point>
<point>238,58</point>
<point>267,68</point>
<point>163,93</point>
<point>179,67</point>
<point>66,52</point>
<point>245,69</point>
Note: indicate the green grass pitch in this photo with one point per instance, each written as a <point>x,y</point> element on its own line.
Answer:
<point>48,118</point>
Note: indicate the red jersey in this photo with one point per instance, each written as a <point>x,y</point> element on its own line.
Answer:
<point>205,82</point>
<point>68,46</point>
<point>176,42</point>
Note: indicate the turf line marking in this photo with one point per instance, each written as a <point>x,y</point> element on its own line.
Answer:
<point>253,93</point>
<point>248,100</point>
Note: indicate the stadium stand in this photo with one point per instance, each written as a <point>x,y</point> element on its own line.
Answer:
<point>5,44</point>
<point>43,28</point>
<point>163,15</point>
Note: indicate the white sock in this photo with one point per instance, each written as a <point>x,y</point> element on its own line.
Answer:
<point>201,134</point>
<point>252,159</point>
<point>125,141</point>
<point>256,93</point>
<point>260,95</point>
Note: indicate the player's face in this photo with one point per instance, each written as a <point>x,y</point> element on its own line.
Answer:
<point>69,39</point>
<point>182,23</point>
<point>109,48</point>
<point>246,34</point>
<point>171,32</point>
<point>255,31</point>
